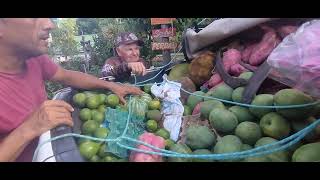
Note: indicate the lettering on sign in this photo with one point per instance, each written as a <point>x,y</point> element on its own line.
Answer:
<point>164,46</point>
<point>165,32</point>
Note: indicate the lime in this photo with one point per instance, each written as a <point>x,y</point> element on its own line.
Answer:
<point>94,111</point>
<point>147,88</point>
<point>89,127</point>
<point>187,110</point>
<point>98,116</point>
<point>93,102</point>
<point>102,98</point>
<point>95,158</point>
<point>154,104</point>
<point>88,149</point>
<point>101,132</point>
<point>82,140</point>
<point>113,100</point>
<point>102,108</point>
<point>169,143</point>
<point>79,100</point>
<point>102,150</point>
<point>152,125</point>
<point>163,133</point>
<point>110,159</point>
<point>85,114</point>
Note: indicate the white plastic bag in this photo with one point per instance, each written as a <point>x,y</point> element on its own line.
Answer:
<point>295,62</point>
<point>172,108</point>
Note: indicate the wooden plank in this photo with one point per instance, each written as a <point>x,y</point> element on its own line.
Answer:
<point>163,46</point>
<point>155,21</point>
<point>166,32</point>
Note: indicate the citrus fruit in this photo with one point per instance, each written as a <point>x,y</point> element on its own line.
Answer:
<point>169,143</point>
<point>95,158</point>
<point>88,149</point>
<point>163,133</point>
<point>102,108</point>
<point>89,127</point>
<point>102,98</point>
<point>101,132</point>
<point>85,114</point>
<point>152,125</point>
<point>187,111</point>
<point>147,88</point>
<point>113,100</point>
<point>98,116</point>
<point>93,102</point>
<point>79,99</point>
<point>154,104</point>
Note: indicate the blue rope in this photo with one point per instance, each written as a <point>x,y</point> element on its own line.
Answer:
<point>262,150</point>
<point>231,102</point>
<point>237,155</point>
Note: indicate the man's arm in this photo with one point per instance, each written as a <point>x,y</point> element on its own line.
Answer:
<point>120,71</point>
<point>86,81</point>
<point>12,146</point>
<point>49,115</point>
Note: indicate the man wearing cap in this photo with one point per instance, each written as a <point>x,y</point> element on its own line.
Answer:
<point>128,59</point>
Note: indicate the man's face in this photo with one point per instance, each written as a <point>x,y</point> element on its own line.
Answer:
<point>26,37</point>
<point>130,52</point>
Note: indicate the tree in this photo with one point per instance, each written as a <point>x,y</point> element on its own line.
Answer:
<point>87,26</point>
<point>63,38</point>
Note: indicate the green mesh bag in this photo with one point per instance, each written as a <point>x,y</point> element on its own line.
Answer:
<point>116,121</point>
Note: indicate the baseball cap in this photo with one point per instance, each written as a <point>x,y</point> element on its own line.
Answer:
<point>127,38</point>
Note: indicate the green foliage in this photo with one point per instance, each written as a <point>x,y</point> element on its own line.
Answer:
<point>63,38</point>
<point>106,30</point>
<point>87,26</point>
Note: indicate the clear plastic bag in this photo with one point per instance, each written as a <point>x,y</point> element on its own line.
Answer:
<point>295,62</point>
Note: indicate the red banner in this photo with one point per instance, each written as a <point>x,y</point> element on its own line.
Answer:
<point>155,21</point>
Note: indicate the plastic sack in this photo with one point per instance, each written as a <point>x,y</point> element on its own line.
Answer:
<point>295,62</point>
<point>172,108</point>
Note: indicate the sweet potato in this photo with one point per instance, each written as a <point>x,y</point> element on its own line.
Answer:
<point>284,31</point>
<point>262,50</point>
<point>237,69</point>
<point>245,54</point>
<point>231,57</point>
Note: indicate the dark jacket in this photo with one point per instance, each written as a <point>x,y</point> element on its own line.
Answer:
<point>118,68</point>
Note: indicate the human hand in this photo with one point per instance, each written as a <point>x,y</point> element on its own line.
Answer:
<point>49,115</point>
<point>121,90</point>
<point>137,68</point>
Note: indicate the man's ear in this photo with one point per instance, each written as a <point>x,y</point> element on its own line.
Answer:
<point>117,51</point>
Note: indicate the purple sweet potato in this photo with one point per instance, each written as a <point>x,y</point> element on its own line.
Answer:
<point>231,57</point>
<point>245,54</point>
<point>214,80</point>
<point>262,50</point>
<point>237,69</point>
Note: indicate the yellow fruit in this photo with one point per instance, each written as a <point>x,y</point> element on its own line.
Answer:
<point>154,105</point>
